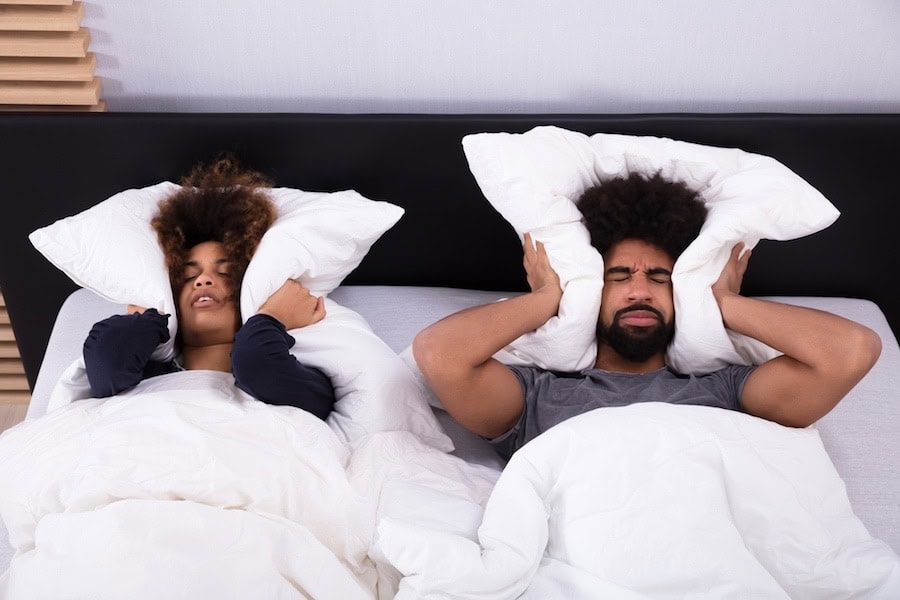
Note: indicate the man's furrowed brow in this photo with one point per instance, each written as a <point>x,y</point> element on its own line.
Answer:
<point>629,270</point>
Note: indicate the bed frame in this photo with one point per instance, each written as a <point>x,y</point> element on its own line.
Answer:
<point>55,165</point>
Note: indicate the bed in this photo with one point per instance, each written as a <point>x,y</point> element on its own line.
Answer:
<point>215,494</point>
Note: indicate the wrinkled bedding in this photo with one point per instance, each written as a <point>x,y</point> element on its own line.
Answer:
<point>187,487</point>
<point>654,501</point>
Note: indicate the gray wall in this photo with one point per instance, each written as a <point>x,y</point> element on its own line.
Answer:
<point>461,56</point>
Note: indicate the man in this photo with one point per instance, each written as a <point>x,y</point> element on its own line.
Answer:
<point>640,226</point>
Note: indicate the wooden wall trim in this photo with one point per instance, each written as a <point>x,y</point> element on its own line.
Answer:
<point>41,18</point>
<point>48,69</point>
<point>13,382</point>
<point>45,61</point>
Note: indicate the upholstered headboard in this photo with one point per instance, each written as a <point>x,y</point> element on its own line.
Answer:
<point>55,165</point>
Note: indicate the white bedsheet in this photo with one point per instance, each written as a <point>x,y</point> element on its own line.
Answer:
<point>654,501</point>
<point>186,487</point>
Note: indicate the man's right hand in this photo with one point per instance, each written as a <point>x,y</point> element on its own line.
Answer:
<point>456,354</point>
<point>542,279</point>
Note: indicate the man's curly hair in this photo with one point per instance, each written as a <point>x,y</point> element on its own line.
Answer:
<point>218,202</point>
<point>662,212</point>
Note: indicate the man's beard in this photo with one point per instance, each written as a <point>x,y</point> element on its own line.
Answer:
<point>636,344</point>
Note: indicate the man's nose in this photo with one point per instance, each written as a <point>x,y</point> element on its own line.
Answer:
<point>639,288</point>
<point>202,280</point>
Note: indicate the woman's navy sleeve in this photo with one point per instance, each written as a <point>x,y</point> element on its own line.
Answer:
<point>263,367</point>
<point>117,351</point>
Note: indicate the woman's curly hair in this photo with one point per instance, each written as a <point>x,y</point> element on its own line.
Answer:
<point>662,212</point>
<point>218,202</point>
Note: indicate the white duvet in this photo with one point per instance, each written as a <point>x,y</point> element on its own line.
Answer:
<point>654,501</point>
<point>185,487</point>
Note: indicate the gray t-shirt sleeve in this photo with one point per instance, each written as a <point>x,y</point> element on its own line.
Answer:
<point>513,439</point>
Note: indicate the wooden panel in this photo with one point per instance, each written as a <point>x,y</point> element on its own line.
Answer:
<point>52,92</point>
<point>14,397</point>
<point>11,366</point>
<point>12,413</point>
<point>13,383</point>
<point>9,350</point>
<point>99,107</point>
<point>44,60</point>
<point>41,18</point>
<point>69,44</point>
<point>48,69</point>
<point>38,2</point>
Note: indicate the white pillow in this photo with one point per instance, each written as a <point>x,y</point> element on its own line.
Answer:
<point>317,238</point>
<point>534,179</point>
<point>111,249</point>
<point>377,390</point>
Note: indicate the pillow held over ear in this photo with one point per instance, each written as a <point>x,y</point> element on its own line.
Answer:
<point>317,238</point>
<point>111,249</point>
<point>535,178</point>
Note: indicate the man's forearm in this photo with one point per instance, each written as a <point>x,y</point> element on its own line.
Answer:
<point>811,336</point>
<point>472,336</point>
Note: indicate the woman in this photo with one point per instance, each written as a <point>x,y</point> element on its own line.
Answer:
<point>208,231</point>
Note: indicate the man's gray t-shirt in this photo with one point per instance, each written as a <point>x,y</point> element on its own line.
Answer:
<point>552,397</point>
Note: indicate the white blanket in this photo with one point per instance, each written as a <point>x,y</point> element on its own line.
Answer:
<point>654,501</point>
<point>185,487</point>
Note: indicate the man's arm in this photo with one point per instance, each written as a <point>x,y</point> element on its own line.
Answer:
<point>824,355</point>
<point>455,354</point>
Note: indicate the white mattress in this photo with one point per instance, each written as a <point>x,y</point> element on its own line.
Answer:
<point>859,434</point>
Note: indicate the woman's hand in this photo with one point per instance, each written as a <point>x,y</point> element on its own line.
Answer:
<point>134,308</point>
<point>294,306</point>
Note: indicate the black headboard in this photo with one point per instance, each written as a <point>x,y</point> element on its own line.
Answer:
<point>54,165</point>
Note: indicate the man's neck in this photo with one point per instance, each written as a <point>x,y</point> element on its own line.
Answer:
<point>215,357</point>
<point>610,360</point>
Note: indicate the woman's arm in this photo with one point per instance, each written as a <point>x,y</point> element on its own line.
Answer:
<point>263,367</point>
<point>117,350</point>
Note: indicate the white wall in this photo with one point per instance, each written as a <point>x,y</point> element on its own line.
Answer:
<point>463,56</point>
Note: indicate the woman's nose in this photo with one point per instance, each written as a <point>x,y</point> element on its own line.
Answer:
<point>203,280</point>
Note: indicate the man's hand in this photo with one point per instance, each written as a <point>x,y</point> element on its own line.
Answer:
<point>456,354</point>
<point>541,277</point>
<point>823,355</point>
<point>294,306</point>
<point>134,308</point>
<point>729,282</point>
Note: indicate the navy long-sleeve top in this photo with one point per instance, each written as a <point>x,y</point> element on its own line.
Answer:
<point>117,355</point>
